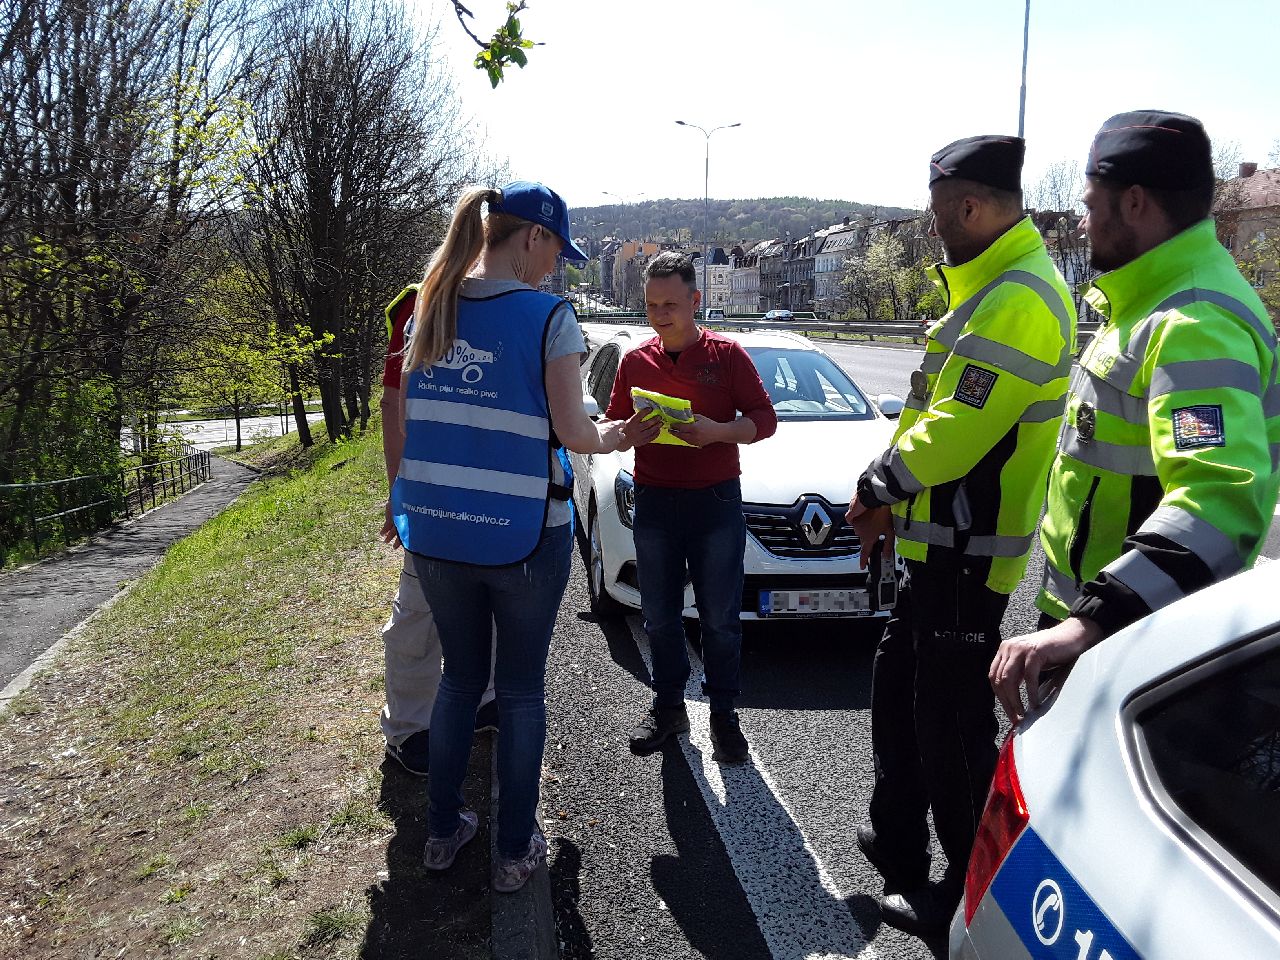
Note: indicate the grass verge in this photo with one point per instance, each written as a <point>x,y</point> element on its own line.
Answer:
<point>202,774</point>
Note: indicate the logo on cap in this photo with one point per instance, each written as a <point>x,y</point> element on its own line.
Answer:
<point>548,211</point>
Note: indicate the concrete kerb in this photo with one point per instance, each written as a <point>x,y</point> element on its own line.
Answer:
<point>523,923</point>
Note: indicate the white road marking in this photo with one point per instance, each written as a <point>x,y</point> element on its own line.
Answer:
<point>798,907</point>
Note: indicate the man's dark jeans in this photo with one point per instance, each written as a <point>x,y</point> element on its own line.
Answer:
<point>933,724</point>
<point>704,530</point>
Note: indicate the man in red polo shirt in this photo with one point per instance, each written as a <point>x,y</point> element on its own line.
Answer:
<point>689,501</point>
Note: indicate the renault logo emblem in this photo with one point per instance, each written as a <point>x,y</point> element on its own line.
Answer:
<point>815,523</point>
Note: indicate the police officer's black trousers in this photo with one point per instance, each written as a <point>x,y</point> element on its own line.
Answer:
<point>933,723</point>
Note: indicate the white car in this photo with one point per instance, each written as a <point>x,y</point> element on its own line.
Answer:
<point>802,559</point>
<point>1138,813</point>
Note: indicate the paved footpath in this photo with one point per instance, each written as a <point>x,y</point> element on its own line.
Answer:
<point>41,603</point>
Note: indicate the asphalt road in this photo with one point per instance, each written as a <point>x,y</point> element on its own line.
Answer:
<point>673,856</point>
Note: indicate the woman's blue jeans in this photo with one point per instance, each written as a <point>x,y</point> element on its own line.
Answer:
<point>702,530</point>
<point>469,602</point>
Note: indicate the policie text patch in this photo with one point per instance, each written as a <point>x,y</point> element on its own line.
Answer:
<point>975,386</point>
<point>1199,426</point>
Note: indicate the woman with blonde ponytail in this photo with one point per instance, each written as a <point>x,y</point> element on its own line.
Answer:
<point>491,394</point>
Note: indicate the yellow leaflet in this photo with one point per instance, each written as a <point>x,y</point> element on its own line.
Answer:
<point>669,409</point>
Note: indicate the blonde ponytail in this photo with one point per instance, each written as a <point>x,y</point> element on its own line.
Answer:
<point>435,316</point>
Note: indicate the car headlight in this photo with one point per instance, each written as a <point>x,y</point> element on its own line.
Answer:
<point>624,494</point>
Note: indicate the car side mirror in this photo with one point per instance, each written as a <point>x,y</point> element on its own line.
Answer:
<point>590,406</point>
<point>890,405</point>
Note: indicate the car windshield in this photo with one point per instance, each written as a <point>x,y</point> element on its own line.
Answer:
<point>807,385</point>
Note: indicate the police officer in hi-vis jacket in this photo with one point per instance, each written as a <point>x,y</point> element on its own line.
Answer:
<point>960,489</point>
<point>1165,478</point>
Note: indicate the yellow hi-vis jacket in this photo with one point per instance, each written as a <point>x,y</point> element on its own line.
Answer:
<point>966,470</point>
<point>1165,476</point>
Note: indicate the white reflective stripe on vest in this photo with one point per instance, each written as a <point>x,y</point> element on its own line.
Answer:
<point>1136,571</point>
<point>474,478</point>
<point>482,418</point>
<point>1199,536</point>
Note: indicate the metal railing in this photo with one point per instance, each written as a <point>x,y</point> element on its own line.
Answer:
<point>45,512</point>
<point>915,332</point>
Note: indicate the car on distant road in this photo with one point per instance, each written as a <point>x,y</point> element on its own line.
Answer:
<point>774,316</point>
<point>802,559</point>
<point>1137,813</point>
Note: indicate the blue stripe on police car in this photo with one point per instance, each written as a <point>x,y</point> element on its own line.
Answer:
<point>1050,911</point>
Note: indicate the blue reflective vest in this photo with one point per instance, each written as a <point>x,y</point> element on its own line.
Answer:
<point>475,474</point>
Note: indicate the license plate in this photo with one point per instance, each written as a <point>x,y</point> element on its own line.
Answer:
<point>814,603</point>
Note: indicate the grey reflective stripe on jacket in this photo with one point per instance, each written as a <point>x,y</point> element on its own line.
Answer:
<point>1127,366</point>
<point>1137,572</point>
<point>938,535</point>
<point>1061,585</point>
<point>1197,535</point>
<point>1125,459</point>
<point>1204,375</point>
<point>1010,359</point>
<point>1105,398</point>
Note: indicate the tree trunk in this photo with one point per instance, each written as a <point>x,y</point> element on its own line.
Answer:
<point>299,408</point>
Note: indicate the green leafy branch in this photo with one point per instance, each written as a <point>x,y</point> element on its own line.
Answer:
<point>507,46</point>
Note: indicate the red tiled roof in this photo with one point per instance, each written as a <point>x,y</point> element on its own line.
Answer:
<point>1260,190</point>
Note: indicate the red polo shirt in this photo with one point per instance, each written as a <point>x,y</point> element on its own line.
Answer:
<point>394,361</point>
<point>717,377</point>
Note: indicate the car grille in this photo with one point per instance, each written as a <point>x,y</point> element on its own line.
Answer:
<point>779,530</point>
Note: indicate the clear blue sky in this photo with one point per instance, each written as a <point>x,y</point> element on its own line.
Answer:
<point>848,98</point>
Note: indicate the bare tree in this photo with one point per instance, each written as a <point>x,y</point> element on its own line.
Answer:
<point>362,148</point>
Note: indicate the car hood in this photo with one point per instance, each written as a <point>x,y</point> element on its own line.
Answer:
<point>823,457</point>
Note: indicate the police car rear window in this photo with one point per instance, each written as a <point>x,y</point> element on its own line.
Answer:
<point>1215,749</point>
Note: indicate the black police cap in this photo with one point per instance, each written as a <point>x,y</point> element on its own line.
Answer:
<point>1152,148</point>
<point>993,160</point>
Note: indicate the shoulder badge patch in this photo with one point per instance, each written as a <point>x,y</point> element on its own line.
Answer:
<point>975,385</point>
<point>1198,426</point>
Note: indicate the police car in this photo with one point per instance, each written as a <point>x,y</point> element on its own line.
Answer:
<point>1138,813</point>
<point>802,560</point>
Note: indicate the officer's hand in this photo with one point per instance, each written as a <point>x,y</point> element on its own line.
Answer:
<point>1021,661</point>
<point>698,432</point>
<point>870,525</point>
<point>389,533</point>
<point>641,427</point>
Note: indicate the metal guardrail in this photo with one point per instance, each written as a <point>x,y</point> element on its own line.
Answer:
<point>80,505</point>
<point>915,332</point>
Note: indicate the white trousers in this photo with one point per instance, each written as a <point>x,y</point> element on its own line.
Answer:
<point>411,645</point>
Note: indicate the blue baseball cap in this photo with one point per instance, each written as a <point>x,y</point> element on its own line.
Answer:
<point>541,205</point>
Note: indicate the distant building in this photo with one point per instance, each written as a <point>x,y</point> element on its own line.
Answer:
<point>839,244</point>
<point>770,260</point>
<point>1248,215</point>
<point>744,278</point>
<point>717,273</point>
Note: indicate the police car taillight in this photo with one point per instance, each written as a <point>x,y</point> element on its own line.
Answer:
<point>1003,821</point>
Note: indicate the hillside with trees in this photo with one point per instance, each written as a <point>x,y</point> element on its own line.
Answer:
<point>729,221</point>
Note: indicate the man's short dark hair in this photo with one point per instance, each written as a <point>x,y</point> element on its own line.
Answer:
<point>1006,201</point>
<point>672,264</point>
<point>1184,208</point>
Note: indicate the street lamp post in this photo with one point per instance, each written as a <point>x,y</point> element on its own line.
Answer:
<point>1022,93</point>
<point>706,201</point>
